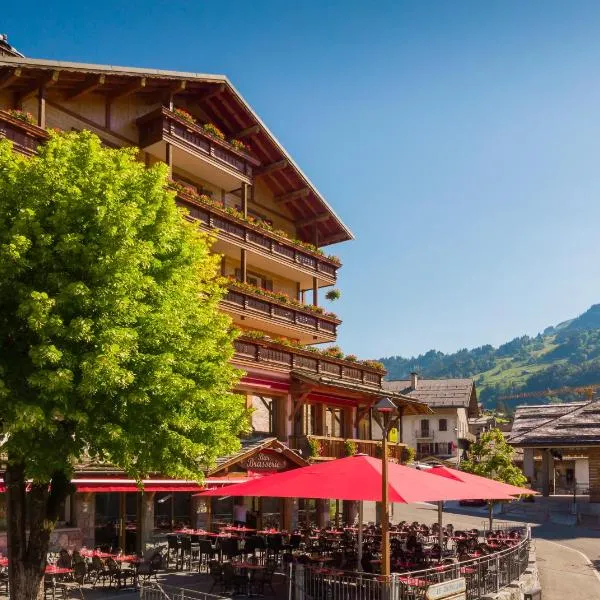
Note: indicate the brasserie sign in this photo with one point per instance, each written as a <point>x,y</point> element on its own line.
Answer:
<point>455,589</point>
<point>265,461</point>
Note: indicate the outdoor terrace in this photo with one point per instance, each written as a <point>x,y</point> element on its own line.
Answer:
<point>195,150</point>
<point>273,252</point>
<point>320,447</point>
<point>254,310</point>
<point>25,137</point>
<point>272,354</point>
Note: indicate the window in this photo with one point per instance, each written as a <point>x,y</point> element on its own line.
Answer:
<point>424,427</point>
<point>443,424</point>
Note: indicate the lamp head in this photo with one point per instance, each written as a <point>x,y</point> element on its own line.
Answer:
<point>385,406</point>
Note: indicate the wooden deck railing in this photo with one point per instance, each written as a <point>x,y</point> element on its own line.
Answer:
<point>281,312</point>
<point>334,447</point>
<point>25,137</point>
<point>164,125</point>
<point>272,354</point>
<point>259,240</point>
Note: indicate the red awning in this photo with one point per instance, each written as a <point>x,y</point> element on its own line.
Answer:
<point>108,484</point>
<point>359,478</point>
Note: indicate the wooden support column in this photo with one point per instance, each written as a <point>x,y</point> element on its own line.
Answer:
<point>315,292</point>
<point>594,470</point>
<point>42,107</point>
<point>245,199</point>
<point>169,158</point>
<point>547,464</point>
<point>243,265</point>
<point>122,521</point>
<point>223,270</point>
<point>319,410</point>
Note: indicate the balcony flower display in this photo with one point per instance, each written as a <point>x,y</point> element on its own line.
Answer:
<point>278,297</point>
<point>21,115</point>
<point>239,145</point>
<point>261,336</point>
<point>202,198</point>
<point>185,115</point>
<point>213,130</point>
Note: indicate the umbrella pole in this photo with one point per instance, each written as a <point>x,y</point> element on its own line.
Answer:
<point>360,536</point>
<point>441,531</point>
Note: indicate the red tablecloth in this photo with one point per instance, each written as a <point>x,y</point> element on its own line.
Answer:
<point>91,553</point>
<point>53,570</point>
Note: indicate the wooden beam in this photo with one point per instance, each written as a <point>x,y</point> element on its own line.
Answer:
<point>91,84</point>
<point>34,88</point>
<point>211,93</point>
<point>298,404</point>
<point>332,239</point>
<point>295,195</point>
<point>312,220</point>
<point>254,130</point>
<point>9,77</point>
<point>272,167</point>
<point>132,88</point>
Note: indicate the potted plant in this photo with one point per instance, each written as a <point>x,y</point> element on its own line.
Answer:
<point>185,115</point>
<point>314,448</point>
<point>213,130</point>
<point>350,448</point>
<point>21,115</point>
<point>333,295</point>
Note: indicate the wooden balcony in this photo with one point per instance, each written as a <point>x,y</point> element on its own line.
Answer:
<point>25,137</point>
<point>267,354</point>
<point>260,312</point>
<point>198,149</point>
<point>329,448</point>
<point>279,252</point>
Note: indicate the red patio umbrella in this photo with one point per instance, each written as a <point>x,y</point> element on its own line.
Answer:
<point>359,478</point>
<point>495,487</point>
<point>469,478</point>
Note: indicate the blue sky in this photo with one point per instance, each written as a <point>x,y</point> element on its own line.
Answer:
<point>460,141</point>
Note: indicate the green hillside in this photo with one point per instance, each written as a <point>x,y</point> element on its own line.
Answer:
<point>567,354</point>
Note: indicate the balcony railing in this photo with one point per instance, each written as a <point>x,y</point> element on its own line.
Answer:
<point>328,448</point>
<point>260,240</point>
<point>164,125</point>
<point>25,137</point>
<point>294,316</point>
<point>425,434</point>
<point>271,354</point>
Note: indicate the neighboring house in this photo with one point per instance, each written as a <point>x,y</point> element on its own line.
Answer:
<point>481,424</point>
<point>445,434</point>
<point>559,446</point>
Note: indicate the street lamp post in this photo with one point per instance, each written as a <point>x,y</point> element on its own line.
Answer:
<point>386,408</point>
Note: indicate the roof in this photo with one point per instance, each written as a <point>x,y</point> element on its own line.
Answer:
<point>252,445</point>
<point>368,392</point>
<point>226,107</point>
<point>439,393</point>
<point>571,424</point>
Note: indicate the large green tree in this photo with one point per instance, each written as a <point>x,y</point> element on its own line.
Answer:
<point>491,456</point>
<point>111,342</point>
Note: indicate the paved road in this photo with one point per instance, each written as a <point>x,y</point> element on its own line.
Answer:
<point>568,556</point>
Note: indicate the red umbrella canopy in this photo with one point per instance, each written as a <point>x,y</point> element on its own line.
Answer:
<point>469,478</point>
<point>357,478</point>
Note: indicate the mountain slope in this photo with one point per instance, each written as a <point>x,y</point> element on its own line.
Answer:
<point>567,354</point>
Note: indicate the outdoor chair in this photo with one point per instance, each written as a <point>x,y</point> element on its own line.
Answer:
<point>215,569</point>
<point>233,581</point>
<point>207,552</point>
<point>264,578</point>
<point>76,581</point>
<point>117,574</point>
<point>229,548</point>
<point>150,565</point>
<point>100,571</point>
<point>64,559</point>
<point>173,550</point>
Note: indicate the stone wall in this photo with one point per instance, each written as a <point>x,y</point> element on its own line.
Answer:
<point>68,537</point>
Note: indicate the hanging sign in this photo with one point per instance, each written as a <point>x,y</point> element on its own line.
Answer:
<point>265,460</point>
<point>455,589</point>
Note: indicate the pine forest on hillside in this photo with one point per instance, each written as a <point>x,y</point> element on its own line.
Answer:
<point>565,355</point>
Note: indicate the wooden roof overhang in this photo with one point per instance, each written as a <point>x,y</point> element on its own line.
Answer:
<point>212,97</point>
<point>320,389</point>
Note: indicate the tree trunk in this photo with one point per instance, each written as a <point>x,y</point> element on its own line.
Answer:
<point>490,514</point>
<point>27,556</point>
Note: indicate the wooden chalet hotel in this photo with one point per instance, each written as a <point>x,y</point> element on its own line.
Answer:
<point>271,223</point>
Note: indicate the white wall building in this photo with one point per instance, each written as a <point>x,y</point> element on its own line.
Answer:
<point>444,434</point>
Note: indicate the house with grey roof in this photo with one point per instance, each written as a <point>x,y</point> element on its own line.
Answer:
<point>561,446</point>
<point>445,434</point>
